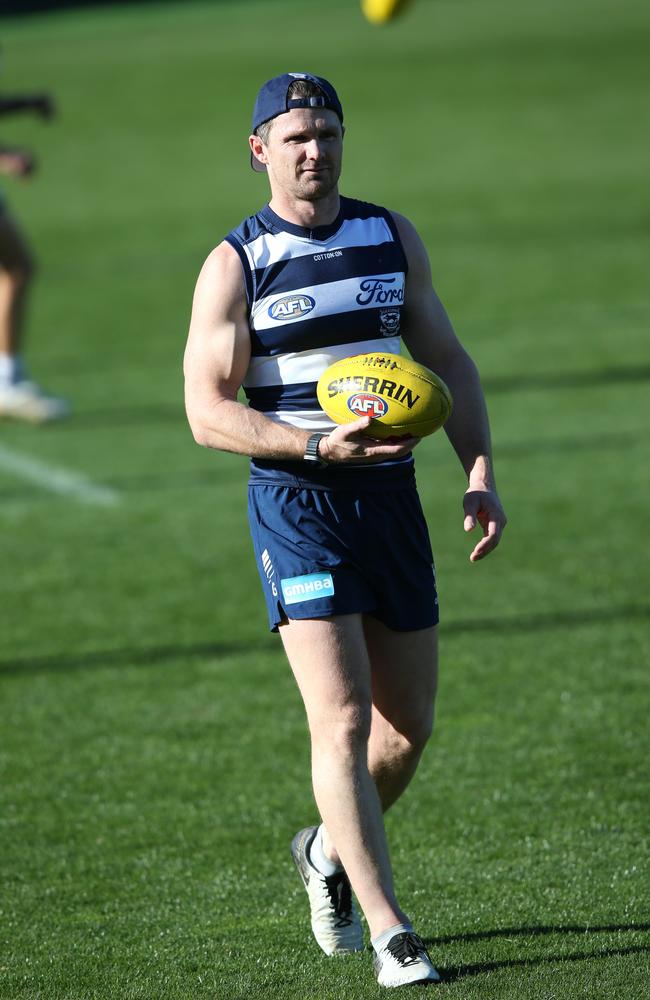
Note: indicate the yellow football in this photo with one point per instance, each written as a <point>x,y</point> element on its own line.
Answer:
<point>402,397</point>
<point>381,11</point>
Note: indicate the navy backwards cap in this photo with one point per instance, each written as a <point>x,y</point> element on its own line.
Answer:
<point>273,100</point>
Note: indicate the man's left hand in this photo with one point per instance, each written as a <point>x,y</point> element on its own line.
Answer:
<point>483,506</point>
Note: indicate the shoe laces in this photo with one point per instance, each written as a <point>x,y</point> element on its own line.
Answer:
<point>340,894</point>
<point>407,948</point>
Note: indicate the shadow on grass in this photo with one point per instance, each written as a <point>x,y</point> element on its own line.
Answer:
<point>613,441</point>
<point>547,621</point>
<point>504,932</point>
<point>129,657</point>
<point>125,416</point>
<point>170,653</point>
<point>452,973</point>
<point>567,380</point>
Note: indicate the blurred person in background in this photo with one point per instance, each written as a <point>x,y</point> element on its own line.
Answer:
<point>20,398</point>
<point>341,542</point>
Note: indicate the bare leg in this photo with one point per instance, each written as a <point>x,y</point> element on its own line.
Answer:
<point>404,683</point>
<point>20,398</point>
<point>404,671</point>
<point>331,666</point>
<point>16,270</point>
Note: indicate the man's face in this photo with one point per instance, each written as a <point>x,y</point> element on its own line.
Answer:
<point>304,153</point>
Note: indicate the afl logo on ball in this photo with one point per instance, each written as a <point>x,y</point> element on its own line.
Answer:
<point>291,307</point>
<point>367,404</point>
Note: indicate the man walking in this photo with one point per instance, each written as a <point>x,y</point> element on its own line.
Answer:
<point>291,290</point>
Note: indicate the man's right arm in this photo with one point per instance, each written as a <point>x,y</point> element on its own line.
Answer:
<point>216,360</point>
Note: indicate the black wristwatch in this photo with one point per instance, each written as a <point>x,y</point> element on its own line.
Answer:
<point>311,450</point>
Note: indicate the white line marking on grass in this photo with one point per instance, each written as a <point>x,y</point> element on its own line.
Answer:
<point>57,480</point>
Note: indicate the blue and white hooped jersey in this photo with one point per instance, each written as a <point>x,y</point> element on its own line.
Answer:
<point>316,296</point>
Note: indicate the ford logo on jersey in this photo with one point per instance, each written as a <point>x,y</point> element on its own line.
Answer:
<point>367,404</point>
<point>377,290</point>
<point>291,307</point>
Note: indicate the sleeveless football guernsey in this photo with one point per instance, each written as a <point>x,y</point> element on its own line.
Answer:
<point>316,296</point>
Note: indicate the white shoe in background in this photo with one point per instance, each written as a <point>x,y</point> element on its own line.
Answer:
<point>25,400</point>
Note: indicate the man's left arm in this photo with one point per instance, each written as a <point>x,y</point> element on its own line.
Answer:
<point>430,338</point>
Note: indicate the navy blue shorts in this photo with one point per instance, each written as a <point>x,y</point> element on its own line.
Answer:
<point>338,552</point>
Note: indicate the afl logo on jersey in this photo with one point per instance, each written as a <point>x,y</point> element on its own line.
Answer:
<point>291,307</point>
<point>367,404</point>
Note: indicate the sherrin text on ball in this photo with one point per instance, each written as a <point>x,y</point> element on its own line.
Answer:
<point>402,397</point>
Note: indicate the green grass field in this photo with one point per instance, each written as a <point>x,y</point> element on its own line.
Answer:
<point>154,757</point>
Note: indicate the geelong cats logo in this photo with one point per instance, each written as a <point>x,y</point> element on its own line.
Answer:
<point>389,322</point>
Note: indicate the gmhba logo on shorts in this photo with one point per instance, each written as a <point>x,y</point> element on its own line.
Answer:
<point>291,307</point>
<point>296,589</point>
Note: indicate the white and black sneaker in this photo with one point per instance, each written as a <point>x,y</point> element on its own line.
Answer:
<point>334,918</point>
<point>404,961</point>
